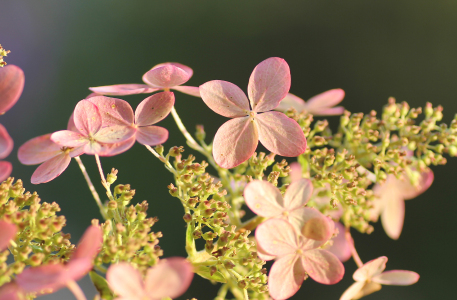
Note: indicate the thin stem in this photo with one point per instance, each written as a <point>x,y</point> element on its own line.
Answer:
<point>91,187</point>
<point>354,253</point>
<point>104,183</point>
<point>162,159</point>
<point>192,143</point>
<point>76,290</point>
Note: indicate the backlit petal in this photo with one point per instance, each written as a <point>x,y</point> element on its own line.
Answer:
<point>276,237</point>
<point>392,217</point>
<point>116,148</point>
<point>5,170</point>
<point>286,276</point>
<point>90,243</point>
<point>126,281</point>
<point>317,104</point>
<point>190,90</point>
<point>269,84</point>
<point>7,233</point>
<point>166,76</point>
<point>280,134</point>
<point>6,142</point>
<point>187,69</point>
<point>291,101</point>
<point>370,269</point>
<point>114,134</point>
<point>113,111</point>
<point>151,135</point>
<point>69,138</point>
<point>341,247</point>
<point>353,291</point>
<point>51,168</point>
<point>323,266</point>
<point>123,89</point>
<point>397,277</point>
<point>87,117</point>
<point>154,108</point>
<point>298,193</point>
<point>263,198</point>
<point>225,98</point>
<point>38,150</point>
<point>11,86</point>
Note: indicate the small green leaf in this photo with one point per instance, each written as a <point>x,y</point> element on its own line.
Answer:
<point>205,272</point>
<point>101,285</point>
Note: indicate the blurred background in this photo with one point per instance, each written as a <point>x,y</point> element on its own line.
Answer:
<point>372,49</point>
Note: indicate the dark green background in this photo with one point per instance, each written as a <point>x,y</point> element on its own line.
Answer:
<point>371,49</point>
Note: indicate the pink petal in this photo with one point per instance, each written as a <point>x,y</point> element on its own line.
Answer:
<point>269,84</point>
<point>7,233</point>
<point>190,90</point>
<point>116,148</point>
<point>6,142</point>
<point>317,228</point>
<point>5,170</point>
<point>286,277</point>
<point>114,134</point>
<point>123,89</point>
<point>69,138</point>
<point>263,198</point>
<point>323,266</point>
<point>341,247</point>
<point>353,291</point>
<point>87,117</point>
<point>166,76</point>
<point>185,68</point>
<point>89,244</point>
<point>325,100</point>
<point>397,277</point>
<point>11,291</point>
<point>151,135</point>
<point>126,281</point>
<point>169,278</point>
<point>235,141</point>
<point>11,86</point>
<point>113,111</point>
<point>71,123</point>
<point>225,98</point>
<point>333,111</point>
<point>280,134</point>
<point>298,194</point>
<point>370,269</point>
<point>296,171</point>
<point>291,101</point>
<point>425,181</point>
<point>154,108</point>
<point>264,255</point>
<point>392,217</point>
<point>38,150</point>
<point>51,168</point>
<point>277,237</point>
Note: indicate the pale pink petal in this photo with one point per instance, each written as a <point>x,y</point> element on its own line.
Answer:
<point>296,171</point>
<point>296,217</point>
<point>235,141</point>
<point>51,168</point>
<point>286,277</point>
<point>171,277</point>
<point>341,246</point>
<point>113,111</point>
<point>38,150</point>
<point>280,134</point>
<point>154,108</point>
<point>317,228</point>
<point>69,138</point>
<point>263,198</point>
<point>71,123</point>
<point>189,90</point>
<point>263,255</point>
<point>225,98</point>
<point>276,237</point>
<point>5,170</point>
<point>11,291</point>
<point>7,233</point>
<point>269,84</point>
<point>397,277</point>
<point>425,181</point>
<point>325,100</point>
<point>353,291</point>
<point>116,148</point>
<point>114,134</point>
<point>165,76</point>
<point>90,243</point>
<point>96,147</point>
<point>6,142</point>
<point>151,135</point>
<point>123,89</point>
<point>187,69</point>
<point>126,281</point>
<point>392,217</point>
<point>87,117</point>
<point>322,266</point>
<point>92,95</point>
<point>291,101</point>
<point>370,269</point>
<point>333,111</point>
<point>298,194</point>
<point>11,86</point>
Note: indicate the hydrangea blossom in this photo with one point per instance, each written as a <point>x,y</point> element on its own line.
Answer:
<point>391,204</point>
<point>296,257</point>
<point>319,105</point>
<point>7,233</point>
<point>253,120</point>
<point>169,278</point>
<point>370,276</point>
<point>52,277</point>
<point>162,76</point>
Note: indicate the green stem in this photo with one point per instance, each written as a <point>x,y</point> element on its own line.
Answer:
<point>104,182</point>
<point>168,166</point>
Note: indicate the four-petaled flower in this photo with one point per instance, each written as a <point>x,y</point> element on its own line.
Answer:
<point>169,278</point>
<point>163,76</point>
<point>319,105</point>
<point>370,276</point>
<point>237,139</point>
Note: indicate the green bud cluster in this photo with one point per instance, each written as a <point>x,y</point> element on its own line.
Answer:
<point>39,238</point>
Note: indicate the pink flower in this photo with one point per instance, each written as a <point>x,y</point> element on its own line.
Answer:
<point>11,291</point>
<point>391,204</point>
<point>341,247</point>
<point>6,146</point>
<point>7,233</point>
<point>296,257</point>
<point>95,132</point>
<point>169,278</point>
<point>319,105</point>
<point>163,76</point>
<point>369,278</point>
<point>237,139</point>
<point>11,86</point>
<point>52,277</point>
